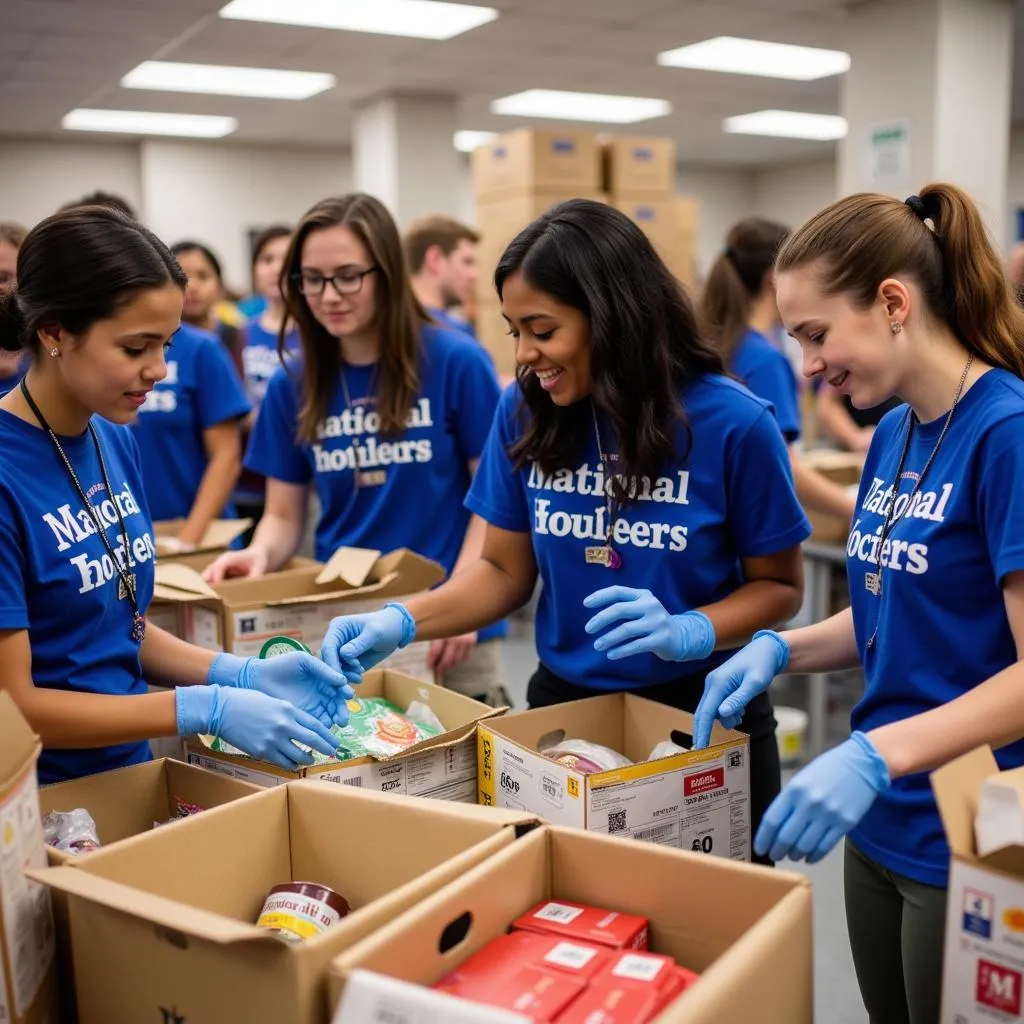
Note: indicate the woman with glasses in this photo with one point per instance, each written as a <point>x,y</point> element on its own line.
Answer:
<point>384,412</point>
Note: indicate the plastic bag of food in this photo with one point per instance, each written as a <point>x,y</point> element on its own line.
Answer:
<point>423,714</point>
<point>71,831</point>
<point>586,757</point>
<point>666,748</point>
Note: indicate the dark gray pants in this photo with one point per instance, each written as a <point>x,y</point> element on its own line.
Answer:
<point>896,928</point>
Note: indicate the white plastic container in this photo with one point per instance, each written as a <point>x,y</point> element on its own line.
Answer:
<point>791,733</point>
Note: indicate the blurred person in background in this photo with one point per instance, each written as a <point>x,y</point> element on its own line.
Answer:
<point>443,267</point>
<point>206,304</point>
<point>12,364</point>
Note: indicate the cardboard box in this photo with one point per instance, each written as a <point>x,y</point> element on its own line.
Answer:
<point>217,537</point>
<point>241,615</point>
<point>28,991</point>
<point>172,912</point>
<point>444,768</point>
<point>983,972</point>
<point>638,166</point>
<point>537,159</point>
<point>843,468</point>
<point>492,332</point>
<point>699,800</point>
<point>666,222</point>
<point>746,929</point>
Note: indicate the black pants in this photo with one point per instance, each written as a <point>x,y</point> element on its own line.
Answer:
<point>758,723</point>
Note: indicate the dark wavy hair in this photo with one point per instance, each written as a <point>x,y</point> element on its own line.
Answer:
<point>645,345</point>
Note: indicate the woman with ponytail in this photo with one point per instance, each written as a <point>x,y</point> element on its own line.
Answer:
<point>740,314</point>
<point>906,298</point>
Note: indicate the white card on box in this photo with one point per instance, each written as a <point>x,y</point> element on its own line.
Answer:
<point>371,998</point>
<point>999,821</point>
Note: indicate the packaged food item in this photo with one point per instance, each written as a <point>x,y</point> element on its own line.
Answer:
<point>182,809</point>
<point>666,748</point>
<point>278,645</point>
<point>302,910</point>
<point>71,831</point>
<point>585,924</point>
<point>423,714</point>
<point>586,757</point>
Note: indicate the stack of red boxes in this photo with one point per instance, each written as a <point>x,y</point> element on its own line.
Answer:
<point>565,963</point>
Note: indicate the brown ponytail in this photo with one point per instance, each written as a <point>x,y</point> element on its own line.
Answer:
<point>735,280</point>
<point>863,239</point>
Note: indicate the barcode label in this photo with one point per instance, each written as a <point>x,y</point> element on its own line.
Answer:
<point>355,780</point>
<point>664,834</point>
<point>389,1015</point>
<point>558,912</point>
<point>567,954</point>
<point>637,967</point>
<point>617,821</point>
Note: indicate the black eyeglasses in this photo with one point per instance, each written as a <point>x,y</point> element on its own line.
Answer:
<point>347,282</point>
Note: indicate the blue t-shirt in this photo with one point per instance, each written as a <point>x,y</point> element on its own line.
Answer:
<point>730,497</point>
<point>769,374</point>
<point>451,323</point>
<point>942,621</point>
<point>57,580</point>
<point>260,360</point>
<point>411,485</point>
<point>201,389</point>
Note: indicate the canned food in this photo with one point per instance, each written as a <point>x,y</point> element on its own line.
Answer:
<point>282,645</point>
<point>302,910</point>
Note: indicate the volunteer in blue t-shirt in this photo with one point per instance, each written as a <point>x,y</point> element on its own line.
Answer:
<point>188,435</point>
<point>645,585</point>
<point>383,412</point>
<point>739,316</point>
<point>12,365</point>
<point>98,300</point>
<point>908,299</point>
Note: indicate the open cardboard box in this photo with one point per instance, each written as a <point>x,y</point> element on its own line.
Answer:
<point>174,910</point>
<point>698,800</point>
<point>28,991</point>
<point>983,973</point>
<point>240,615</point>
<point>746,929</point>
<point>218,536</point>
<point>443,767</point>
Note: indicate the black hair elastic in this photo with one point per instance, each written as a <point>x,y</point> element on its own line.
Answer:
<point>916,203</point>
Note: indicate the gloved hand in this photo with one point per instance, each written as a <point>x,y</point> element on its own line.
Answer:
<point>355,643</point>
<point>648,628</point>
<point>299,678</point>
<point>264,727</point>
<point>824,801</point>
<point>729,688</point>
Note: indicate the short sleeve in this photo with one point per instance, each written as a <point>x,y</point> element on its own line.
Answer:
<point>1000,501</point>
<point>273,450</point>
<point>219,392</point>
<point>763,512</point>
<point>774,381</point>
<point>13,570</point>
<point>474,398</point>
<point>497,493</point>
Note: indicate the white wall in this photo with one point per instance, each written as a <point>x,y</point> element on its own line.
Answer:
<point>724,197</point>
<point>791,194</point>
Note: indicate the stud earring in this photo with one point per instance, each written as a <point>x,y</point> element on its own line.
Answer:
<point>896,327</point>
<point>55,351</point>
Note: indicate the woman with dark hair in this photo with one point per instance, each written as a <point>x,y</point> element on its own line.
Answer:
<point>909,299</point>
<point>651,493</point>
<point>206,295</point>
<point>12,365</point>
<point>384,411</point>
<point>97,302</point>
<point>739,314</point>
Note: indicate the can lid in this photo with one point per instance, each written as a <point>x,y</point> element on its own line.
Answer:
<point>282,645</point>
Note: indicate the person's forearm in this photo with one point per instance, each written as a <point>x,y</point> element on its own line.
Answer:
<point>278,537</point>
<point>818,493</point>
<point>472,544</point>
<point>991,713</point>
<point>479,595</point>
<point>219,479</point>
<point>168,661</point>
<point>835,420</point>
<point>760,604</point>
<point>827,646</point>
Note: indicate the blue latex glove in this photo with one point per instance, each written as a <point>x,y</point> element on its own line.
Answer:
<point>729,688</point>
<point>824,801</point>
<point>355,643</point>
<point>299,678</point>
<point>264,727</point>
<point>647,628</point>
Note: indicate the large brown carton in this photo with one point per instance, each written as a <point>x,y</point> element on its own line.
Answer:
<point>843,468</point>
<point>668,223</point>
<point>746,929</point>
<point>28,992</point>
<point>698,800</point>
<point>537,159</point>
<point>163,925</point>
<point>638,166</point>
<point>240,615</point>
<point>443,767</point>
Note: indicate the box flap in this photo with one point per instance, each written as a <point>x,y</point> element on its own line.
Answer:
<point>218,535</point>
<point>350,565</point>
<point>172,915</point>
<point>19,745</point>
<point>174,582</point>
<point>957,788</point>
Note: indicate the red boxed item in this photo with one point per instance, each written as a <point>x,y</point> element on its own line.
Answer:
<point>612,1004</point>
<point>585,924</point>
<point>648,972</point>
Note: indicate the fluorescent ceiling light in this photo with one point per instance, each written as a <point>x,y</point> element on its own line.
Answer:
<point>216,79</point>
<point>421,19</point>
<point>756,57</point>
<point>141,122</point>
<point>581,106</point>
<point>466,141</point>
<point>787,124</point>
